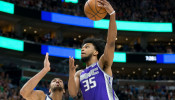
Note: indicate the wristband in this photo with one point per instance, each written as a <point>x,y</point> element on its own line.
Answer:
<point>112,13</point>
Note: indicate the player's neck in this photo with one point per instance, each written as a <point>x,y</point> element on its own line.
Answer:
<point>56,95</point>
<point>91,61</point>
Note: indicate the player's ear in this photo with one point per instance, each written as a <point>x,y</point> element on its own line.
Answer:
<point>95,53</point>
<point>49,90</point>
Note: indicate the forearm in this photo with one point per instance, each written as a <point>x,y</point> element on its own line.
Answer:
<point>32,83</point>
<point>112,31</point>
<point>110,45</point>
<point>72,86</point>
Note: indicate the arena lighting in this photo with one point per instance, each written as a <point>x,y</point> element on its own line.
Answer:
<point>149,69</point>
<point>173,72</point>
<point>66,19</point>
<point>118,71</point>
<point>136,26</point>
<point>58,51</point>
<point>104,23</point>
<point>155,39</point>
<point>71,1</point>
<point>154,75</point>
<point>25,30</point>
<point>75,39</point>
<point>7,7</point>
<point>123,68</point>
<point>166,58</point>
<point>119,57</point>
<point>12,44</point>
<point>139,69</point>
<point>75,53</point>
<point>126,39</point>
<point>160,69</point>
<point>169,43</point>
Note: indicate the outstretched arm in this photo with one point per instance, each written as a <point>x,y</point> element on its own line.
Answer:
<point>27,90</point>
<point>106,59</point>
<point>74,79</point>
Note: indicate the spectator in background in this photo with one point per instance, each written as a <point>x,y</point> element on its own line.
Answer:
<point>132,10</point>
<point>7,90</point>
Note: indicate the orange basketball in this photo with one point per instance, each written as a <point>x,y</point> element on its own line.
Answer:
<point>93,12</point>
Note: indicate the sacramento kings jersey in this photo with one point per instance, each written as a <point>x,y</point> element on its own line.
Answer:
<point>95,84</point>
<point>48,98</point>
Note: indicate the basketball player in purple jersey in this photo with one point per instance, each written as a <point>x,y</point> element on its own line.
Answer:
<point>95,81</point>
<point>56,86</point>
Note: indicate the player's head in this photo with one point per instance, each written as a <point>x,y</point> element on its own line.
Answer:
<point>92,48</point>
<point>56,85</point>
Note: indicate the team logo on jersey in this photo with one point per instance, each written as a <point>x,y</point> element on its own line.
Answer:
<point>92,72</point>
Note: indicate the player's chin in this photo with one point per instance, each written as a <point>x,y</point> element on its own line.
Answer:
<point>58,88</point>
<point>82,55</point>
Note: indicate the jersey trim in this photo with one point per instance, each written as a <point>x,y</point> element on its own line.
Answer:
<point>103,71</point>
<point>108,82</point>
<point>47,96</point>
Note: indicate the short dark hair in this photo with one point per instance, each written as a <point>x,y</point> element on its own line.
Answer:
<point>99,45</point>
<point>54,79</point>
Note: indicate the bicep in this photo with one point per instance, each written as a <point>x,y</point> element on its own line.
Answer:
<point>36,95</point>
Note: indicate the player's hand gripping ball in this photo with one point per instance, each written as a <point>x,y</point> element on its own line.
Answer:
<point>93,11</point>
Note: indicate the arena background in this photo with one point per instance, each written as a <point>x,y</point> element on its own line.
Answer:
<point>144,59</point>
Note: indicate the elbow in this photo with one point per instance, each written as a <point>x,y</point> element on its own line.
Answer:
<point>23,93</point>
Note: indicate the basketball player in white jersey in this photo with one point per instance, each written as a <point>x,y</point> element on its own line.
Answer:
<point>95,81</point>
<point>56,86</point>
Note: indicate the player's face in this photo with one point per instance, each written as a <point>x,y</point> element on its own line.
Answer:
<point>87,52</point>
<point>56,85</point>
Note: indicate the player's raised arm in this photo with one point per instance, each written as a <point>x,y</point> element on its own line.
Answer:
<point>107,58</point>
<point>74,80</point>
<point>27,90</point>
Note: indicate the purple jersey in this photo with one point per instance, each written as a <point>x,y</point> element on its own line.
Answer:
<point>95,84</point>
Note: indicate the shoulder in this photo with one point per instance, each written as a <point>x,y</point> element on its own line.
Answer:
<point>77,74</point>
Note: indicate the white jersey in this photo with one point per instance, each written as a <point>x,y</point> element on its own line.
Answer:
<point>48,98</point>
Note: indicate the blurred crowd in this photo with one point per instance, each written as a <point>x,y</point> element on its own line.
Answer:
<point>139,76</point>
<point>156,47</point>
<point>128,10</point>
<point>10,91</point>
<point>145,10</point>
<point>145,92</point>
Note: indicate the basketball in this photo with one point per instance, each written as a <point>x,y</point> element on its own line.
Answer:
<point>93,12</point>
